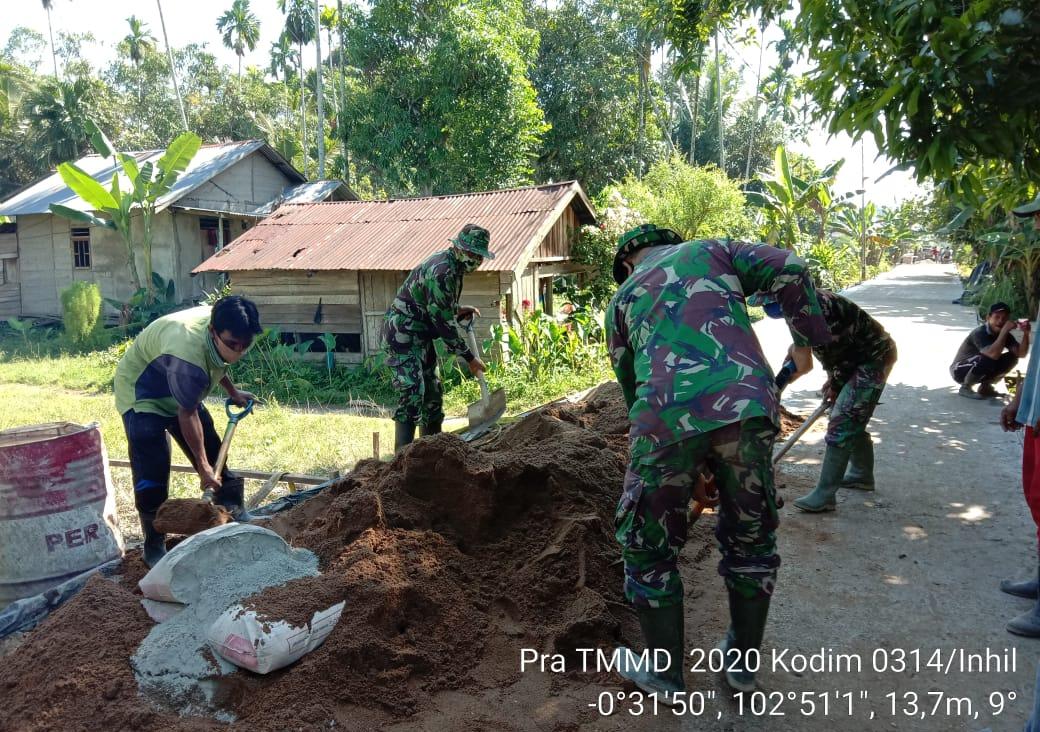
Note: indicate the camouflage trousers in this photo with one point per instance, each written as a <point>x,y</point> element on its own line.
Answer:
<point>651,523</point>
<point>416,379</point>
<point>855,403</point>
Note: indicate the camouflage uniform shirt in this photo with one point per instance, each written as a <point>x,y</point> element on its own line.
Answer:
<point>425,307</point>
<point>681,342</point>
<point>858,338</point>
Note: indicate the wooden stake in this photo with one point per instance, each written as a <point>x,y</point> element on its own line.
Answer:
<point>375,445</point>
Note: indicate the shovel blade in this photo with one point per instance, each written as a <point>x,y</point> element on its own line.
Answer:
<point>482,413</point>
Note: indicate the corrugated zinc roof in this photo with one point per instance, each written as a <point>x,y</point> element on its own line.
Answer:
<point>310,192</point>
<point>398,234</point>
<point>210,161</point>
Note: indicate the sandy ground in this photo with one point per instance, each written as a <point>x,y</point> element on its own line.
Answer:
<point>892,576</point>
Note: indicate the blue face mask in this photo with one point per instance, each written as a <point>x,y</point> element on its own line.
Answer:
<point>773,309</point>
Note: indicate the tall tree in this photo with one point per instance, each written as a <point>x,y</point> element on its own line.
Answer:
<point>318,70</point>
<point>584,77</point>
<point>173,67</point>
<point>48,5</point>
<point>444,103</point>
<point>240,29</point>
<point>300,27</point>
<point>138,42</point>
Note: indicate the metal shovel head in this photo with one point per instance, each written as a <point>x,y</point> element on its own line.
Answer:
<point>483,413</point>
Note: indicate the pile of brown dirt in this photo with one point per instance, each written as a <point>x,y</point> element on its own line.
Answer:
<point>189,516</point>
<point>789,421</point>
<point>450,559</point>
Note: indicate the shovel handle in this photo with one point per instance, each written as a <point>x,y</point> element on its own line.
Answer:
<point>234,416</point>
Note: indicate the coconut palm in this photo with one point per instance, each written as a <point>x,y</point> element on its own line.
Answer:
<point>300,26</point>
<point>55,113</point>
<point>283,58</point>
<point>137,43</point>
<point>47,5</point>
<point>241,30</point>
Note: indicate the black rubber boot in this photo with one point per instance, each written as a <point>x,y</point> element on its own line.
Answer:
<point>747,626</point>
<point>433,428</point>
<point>662,628</point>
<point>232,496</point>
<point>404,434</point>
<point>154,542</point>
<point>860,473</point>
<point>1027,588</point>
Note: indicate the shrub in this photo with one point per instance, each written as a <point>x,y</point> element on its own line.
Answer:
<point>81,310</point>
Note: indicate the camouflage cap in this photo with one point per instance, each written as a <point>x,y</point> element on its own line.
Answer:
<point>475,240</point>
<point>646,235</point>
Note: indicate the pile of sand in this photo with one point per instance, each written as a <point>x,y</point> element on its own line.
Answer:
<point>450,559</point>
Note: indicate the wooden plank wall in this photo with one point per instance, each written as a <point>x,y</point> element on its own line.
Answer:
<point>557,243</point>
<point>9,246</point>
<point>289,299</point>
<point>10,300</point>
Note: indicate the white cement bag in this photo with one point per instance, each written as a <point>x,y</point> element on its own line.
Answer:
<point>176,577</point>
<point>264,646</point>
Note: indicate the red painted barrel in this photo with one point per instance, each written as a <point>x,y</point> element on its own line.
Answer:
<point>57,507</point>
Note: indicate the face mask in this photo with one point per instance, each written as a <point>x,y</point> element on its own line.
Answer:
<point>773,310</point>
<point>469,262</point>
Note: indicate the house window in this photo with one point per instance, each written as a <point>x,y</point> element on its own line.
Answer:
<point>81,248</point>
<point>210,240</point>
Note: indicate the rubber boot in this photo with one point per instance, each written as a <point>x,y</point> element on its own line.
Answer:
<point>433,428</point>
<point>154,542</point>
<point>747,626</point>
<point>835,460</point>
<point>1027,624</point>
<point>404,434</point>
<point>662,628</point>
<point>232,496</point>
<point>860,474</point>
<point>1027,588</point>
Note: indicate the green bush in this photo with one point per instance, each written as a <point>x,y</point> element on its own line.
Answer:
<point>81,311</point>
<point>833,267</point>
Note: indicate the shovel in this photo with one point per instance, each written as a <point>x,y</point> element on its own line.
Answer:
<point>492,404</point>
<point>233,419</point>
<point>796,435</point>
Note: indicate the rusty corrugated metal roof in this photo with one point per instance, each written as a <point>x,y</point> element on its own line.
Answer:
<point>398,234</point>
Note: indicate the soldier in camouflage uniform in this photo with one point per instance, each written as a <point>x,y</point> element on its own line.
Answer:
<point>858,362</point>
<point>425,309</point>
<point>701,399</point>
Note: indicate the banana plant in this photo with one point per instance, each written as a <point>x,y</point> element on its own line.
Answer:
<point>784,197</point>
<point>146,185</point>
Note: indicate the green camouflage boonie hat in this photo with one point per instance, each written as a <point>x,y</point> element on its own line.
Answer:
<point>1028,209</point>
<point>646,235</point>
<point>475,240</point>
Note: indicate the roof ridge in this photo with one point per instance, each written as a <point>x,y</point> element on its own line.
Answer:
<point>471,194</point>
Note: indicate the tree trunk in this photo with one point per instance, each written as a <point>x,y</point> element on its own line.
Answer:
<point>50,32</point>
<point>303,113</point>
<point>696,107</point>
<point>758,98</point>
<point>320,125</point>
<point>173,70</point>
<point>341,125</point>
<point>718,104</point>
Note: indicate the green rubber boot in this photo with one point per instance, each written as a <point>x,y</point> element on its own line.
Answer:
<point>404,434</point>
<point>860,474</point>
<point>662,629</point>
<point>1027,588</point>
<point>835,460</point>
<point>747,626</point>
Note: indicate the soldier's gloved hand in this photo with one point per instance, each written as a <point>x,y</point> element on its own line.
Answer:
<point>476,367</point>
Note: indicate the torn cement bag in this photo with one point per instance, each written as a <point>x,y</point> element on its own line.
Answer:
<point>240,637</point>
<point>176,577</point>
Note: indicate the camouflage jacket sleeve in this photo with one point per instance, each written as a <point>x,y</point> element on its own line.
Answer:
<point>783,274</point>
<point>443,305</point>
<point>621,357</point>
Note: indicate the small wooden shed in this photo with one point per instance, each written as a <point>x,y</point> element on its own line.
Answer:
<point>335,267</point>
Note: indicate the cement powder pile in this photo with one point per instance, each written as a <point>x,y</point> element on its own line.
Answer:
<point>174,667</point>
<point>450,558</point>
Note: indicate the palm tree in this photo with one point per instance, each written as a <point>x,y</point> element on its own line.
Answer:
<point>282,59</point>
<point>241,30</point>
<point>173,69</point>
<point>138,42</point>
<point>300,27</point>
<point>47,5</point>
<point>56,112</point>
